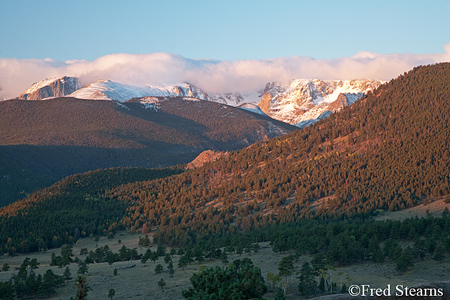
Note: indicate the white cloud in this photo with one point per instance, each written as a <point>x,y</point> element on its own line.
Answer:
<point>210,75</point>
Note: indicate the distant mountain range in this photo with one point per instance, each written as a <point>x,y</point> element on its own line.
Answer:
<point>299,102</point>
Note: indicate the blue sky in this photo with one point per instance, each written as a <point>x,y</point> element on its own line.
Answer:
<point>222,30</point>
<point>220,46</point>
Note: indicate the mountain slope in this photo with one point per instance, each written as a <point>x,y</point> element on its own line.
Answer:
<point>43,141</point>
<point>388,151</point>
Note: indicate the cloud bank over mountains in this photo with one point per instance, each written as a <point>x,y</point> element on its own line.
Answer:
<point>210,75</point>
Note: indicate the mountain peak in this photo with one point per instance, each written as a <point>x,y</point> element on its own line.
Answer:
<point>51,87</point>
<point>300,100</point>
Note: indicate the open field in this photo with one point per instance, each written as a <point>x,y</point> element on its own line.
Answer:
<point>140,281</point>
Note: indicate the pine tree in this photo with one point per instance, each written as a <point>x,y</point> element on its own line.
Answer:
<point>280,295</point>
<point>67,275</point>
<point>5,267</point>
<point>439,253</point>
<point>161,283</point>
<point>167,258</point>
<point>307,285</point>
<point>111,293</point>
<point>34,264</point>
<point>170,268</point>
<point>286,267</point>
<point>83,269</point>
<point>404,260</point>
<point>183,262</point>
<point>159,268</point>
<point>224,258</point>
<point>82,288</point>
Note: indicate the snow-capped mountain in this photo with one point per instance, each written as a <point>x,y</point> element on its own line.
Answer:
<point>111,90</point>
<point>300,102</point>
<point>302,99</point>
<point>53,87</point>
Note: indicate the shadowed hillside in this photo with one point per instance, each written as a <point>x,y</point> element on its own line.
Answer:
<point>44,141</point>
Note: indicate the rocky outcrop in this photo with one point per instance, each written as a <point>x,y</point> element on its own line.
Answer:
<point>206,157</point>
<point>55,87</point>
<point>341,102</point>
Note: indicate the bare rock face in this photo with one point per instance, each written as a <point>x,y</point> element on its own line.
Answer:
<point>341,102</point>
<point>55,87</point>
<point>206,157</point>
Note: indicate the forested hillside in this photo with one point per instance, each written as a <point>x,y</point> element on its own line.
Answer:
<point>44,141</point>
<point>388,151</point>
<point>69,209</point>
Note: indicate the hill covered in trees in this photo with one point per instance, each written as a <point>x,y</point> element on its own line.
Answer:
<point>388,151</point>
<point>70,209</point>
<point>44,141</point>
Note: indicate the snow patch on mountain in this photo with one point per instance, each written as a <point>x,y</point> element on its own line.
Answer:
<point>311,121</point>
<point>123,106</point>
<point>252,107</point>
<point>150,102</point>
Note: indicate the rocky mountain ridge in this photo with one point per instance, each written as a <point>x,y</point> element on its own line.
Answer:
<point>304,100</point>
<point>300,102</point>
<point>111,90</point>
<point>50,88</point>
